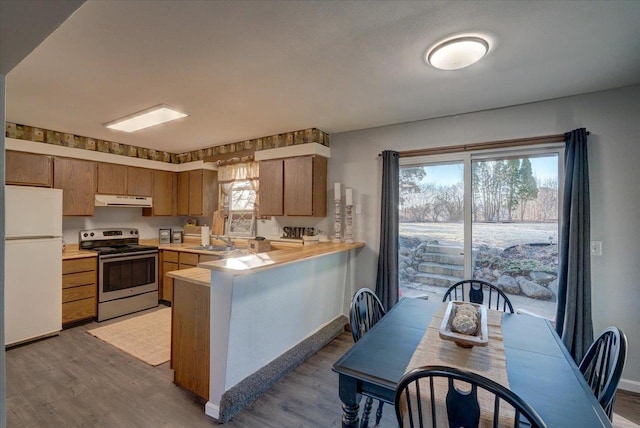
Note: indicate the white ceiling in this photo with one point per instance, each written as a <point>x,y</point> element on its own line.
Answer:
<point>248,69</point>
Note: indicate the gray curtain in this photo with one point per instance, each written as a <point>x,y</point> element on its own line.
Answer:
<point>573,317</point>
<point>387,281</point>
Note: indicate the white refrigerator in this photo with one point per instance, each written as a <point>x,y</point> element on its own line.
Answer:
<point>33,263</point>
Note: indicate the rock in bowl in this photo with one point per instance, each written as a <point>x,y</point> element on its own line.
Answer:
<point>481,336</point>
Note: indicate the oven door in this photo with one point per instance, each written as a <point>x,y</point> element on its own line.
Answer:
<point>124,275</point>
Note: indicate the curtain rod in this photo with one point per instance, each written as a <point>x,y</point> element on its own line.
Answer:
<point>517,142</point>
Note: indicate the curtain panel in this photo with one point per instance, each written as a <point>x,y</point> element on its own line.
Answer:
<point>387,279</point>
<point>573,317</point>
<point>228,174</point>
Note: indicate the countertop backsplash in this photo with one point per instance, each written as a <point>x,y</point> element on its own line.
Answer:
<point>106,217</point>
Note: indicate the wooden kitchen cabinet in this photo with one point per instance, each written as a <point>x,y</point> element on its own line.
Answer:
<point>294,186</point>
<point>79,290</point>
<point>28,169</point>
<point>169,263</point>
<point>190,315</point>
<point>125,180</point>
<point>176,260</point>
<point>139,181</point>
<point>271,187</point>
<point>112,179</point>
<point>77,179</point>
<point>197,193</point>
<point>163,194</point>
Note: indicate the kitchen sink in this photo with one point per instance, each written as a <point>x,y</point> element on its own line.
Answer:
<point>217,248</point>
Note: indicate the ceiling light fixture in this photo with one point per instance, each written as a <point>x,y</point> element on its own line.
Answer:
<point>143,119</point>
<point>454,54</point>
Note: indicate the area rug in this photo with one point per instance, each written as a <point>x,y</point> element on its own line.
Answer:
<point>146,337</point>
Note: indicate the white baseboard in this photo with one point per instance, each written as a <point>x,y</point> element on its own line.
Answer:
<point>629,385</point>
<point>212,410</point>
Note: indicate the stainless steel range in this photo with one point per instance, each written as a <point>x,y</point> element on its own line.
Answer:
<point>127,271</point>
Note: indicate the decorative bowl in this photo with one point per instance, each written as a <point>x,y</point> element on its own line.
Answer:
<point>480,338</point>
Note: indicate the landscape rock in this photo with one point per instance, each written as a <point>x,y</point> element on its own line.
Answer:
<point>533,290</point>
<point>508,284</point>
<point>542,278</point>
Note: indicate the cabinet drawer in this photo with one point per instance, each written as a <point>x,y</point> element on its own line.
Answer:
<point>188,259</point>
<point>79,265</point>
<point>170,256</point>
<point>208,258</point>
<point>79,293</point>
<point>78,310</point>
<point>76,279</point>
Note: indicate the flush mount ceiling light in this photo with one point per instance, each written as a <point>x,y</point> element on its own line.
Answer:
<point>457,53</point>
<point>143,119</point>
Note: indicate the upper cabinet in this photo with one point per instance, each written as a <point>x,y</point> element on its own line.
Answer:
<point>124,180</point>
<point>271,187</point>
<point>197,193</point>
<point>28,169</point>
<point>294,186</point>
<point>77,179</point>
<point>164,194</point>
<point>139,181</point>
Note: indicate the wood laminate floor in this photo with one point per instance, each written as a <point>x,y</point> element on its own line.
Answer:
<point>76,380</point>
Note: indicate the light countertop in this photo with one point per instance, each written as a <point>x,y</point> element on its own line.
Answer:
<point>257,262</point>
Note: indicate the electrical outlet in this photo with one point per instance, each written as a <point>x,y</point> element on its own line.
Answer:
<point>275,231</point>
<point>358,209</point>
<point>596,248</point>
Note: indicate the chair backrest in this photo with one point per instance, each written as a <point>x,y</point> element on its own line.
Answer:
<point>366,310</point>
<point>481,292</point>
<point>419,404</point>
<point>602,365</point>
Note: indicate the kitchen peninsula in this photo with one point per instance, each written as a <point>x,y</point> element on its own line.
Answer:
<point>267,313</point>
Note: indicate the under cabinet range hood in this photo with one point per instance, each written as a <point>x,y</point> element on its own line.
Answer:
<point>123,201</point>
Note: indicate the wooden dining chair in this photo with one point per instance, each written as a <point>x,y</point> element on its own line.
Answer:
<point>602,366</point>
<point>480,292</point>
<point>417,407</point>
<point>365,311</point>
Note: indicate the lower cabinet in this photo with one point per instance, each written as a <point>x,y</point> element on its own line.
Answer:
<point>79,290</point>
<point>175,260</point>
<point>169,263</point>
<point>190,337</point>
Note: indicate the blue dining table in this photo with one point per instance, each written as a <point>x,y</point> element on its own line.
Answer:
<point>539,367</point>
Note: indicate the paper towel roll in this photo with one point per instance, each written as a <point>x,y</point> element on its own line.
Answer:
<point>206,235</point>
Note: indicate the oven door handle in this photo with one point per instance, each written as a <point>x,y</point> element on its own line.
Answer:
<point>127,255</point>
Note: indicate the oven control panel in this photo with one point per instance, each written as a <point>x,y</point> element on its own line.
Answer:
<point>104,234</point>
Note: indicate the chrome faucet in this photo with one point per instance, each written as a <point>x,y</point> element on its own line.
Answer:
<point>224,239</point>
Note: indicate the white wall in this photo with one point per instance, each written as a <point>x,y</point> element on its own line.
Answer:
<point>612,117</point>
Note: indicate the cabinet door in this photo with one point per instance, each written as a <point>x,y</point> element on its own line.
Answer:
<point>298,185</point>
<point>195,192</point>
<point>167,283</point>
<point>209,192</point>
<point>28,169</point>
<point>77,179</point>
<point>139,181</point>
<point>183,193</point>
<point>164,194</point>
<point>112,179</point>
<point>271,184</point>
<point>319,186</point>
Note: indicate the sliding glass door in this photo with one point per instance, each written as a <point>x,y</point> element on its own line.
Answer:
<point>492,216</point>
